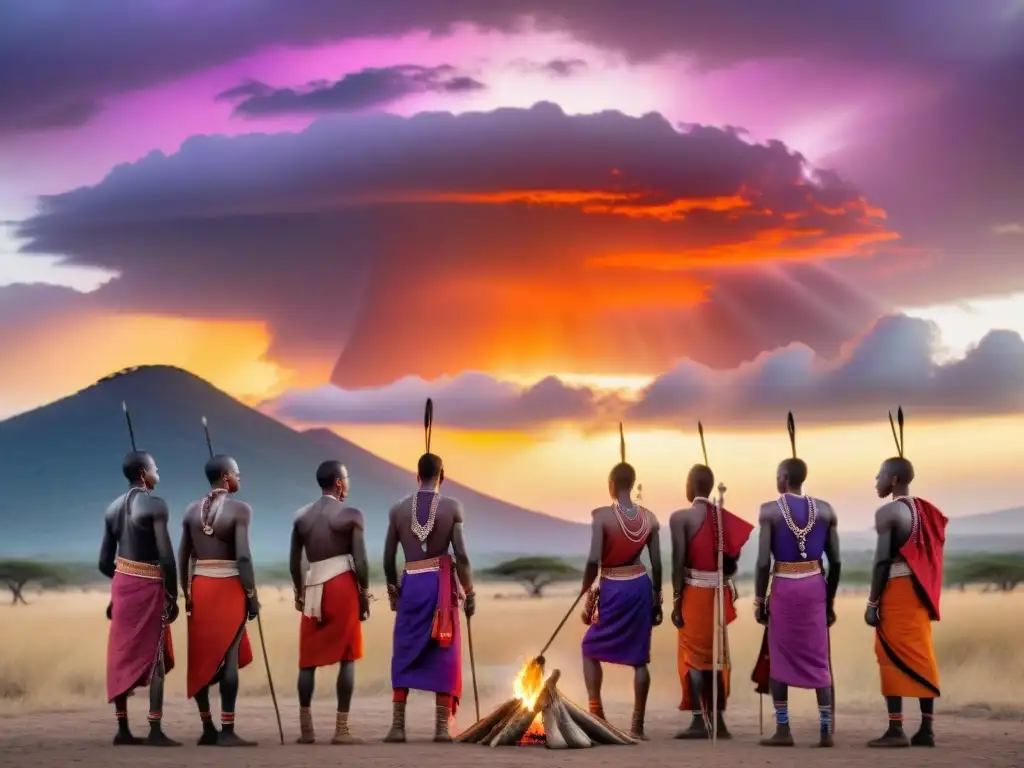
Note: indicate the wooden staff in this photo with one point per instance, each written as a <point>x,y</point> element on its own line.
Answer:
<point>718,641</point>
<point>259,621</point>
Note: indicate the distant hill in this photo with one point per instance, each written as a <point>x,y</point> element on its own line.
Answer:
<point>1003,522</point>
<point>62,465</point>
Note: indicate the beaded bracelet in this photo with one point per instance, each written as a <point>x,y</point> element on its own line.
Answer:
<point>872,604</point>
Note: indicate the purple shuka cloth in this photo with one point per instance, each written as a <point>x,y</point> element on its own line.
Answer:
<point>625,615</point>
<point>136,626</point>
<point>417,660</point>
<point>798,633</point>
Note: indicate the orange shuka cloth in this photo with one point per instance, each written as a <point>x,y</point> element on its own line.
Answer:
<point>903,643</point>
<point>218,616</point>
<point>696,638</point>
<point>339,635</point>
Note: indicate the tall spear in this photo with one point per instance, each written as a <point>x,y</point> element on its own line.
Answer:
<point>259,620</point>
<point>718,641</point>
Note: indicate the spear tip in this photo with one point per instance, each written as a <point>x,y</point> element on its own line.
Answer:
<point>204,421</point>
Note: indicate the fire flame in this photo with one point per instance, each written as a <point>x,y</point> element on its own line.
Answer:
<point>529,684</point>
<point>527,687</point>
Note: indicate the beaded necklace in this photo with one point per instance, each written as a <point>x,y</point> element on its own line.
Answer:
<point>915,519</point>
<point>422,531</point>
<point>800,533</point>
<point>633,530</point>
<point>204,510</point>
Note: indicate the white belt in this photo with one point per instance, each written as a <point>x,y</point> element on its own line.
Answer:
<point>216,569</point>
<point>898,568</point>
<point>695,578</point>
<point>816,571</point>
<point>320,573</point>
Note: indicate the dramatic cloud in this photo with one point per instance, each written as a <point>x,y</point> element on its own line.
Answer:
<point>469,400</point>
<point>512,240</point>
<point>563,67</point>
<point>110,46</point>
<point>891,364</point>
<point>366,89</point>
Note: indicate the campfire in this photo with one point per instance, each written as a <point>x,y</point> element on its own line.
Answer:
<point>538,714</point>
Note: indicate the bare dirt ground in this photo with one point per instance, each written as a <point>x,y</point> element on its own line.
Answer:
<point>82,738</point>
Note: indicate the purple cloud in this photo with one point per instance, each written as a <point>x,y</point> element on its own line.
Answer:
<point>366,89</point>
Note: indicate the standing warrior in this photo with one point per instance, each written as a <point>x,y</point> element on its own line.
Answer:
<point>427,650</point>
<point>334,599</point>
<point>626,605</point>
<point>220,597</point>
<point>904,600</point>
<point>795,531</point>
<point>695,542</point>
<point>137,554</point>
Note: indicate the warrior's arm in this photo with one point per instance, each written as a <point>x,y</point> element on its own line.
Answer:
<point>883,554</point>
<point>654,552</point>
<point>164,548</point>
<point>594,558</point>
<point>462,565</point>
<point>185,550</point>
<point>764,554</point>
<point>108,550</point>
<point>362,565</point>
<point>832,553</point>
<point>243,555</point>
<point>295,559</point>
<point>391,552</point>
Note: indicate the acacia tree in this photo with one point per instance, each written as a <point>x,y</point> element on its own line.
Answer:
<point>1002,573</point>
<point>18,573</point>
<point>535,573</point>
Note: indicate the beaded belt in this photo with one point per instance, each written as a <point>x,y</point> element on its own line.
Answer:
<point>799,570</point>
<point>695,578</point>
<point>133,568</point>
<point>898,569</point>
<point>624,572</point>
<point>423,566</point>
<point>216,569</point>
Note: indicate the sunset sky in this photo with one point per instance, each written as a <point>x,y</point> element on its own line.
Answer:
<point>549,216</point>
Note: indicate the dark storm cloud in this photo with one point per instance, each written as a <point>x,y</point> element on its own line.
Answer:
<point>366,89</point>
<point>561,67</point>
<point>611,242</point>
<point>111,46</point>
<point>891,364</point>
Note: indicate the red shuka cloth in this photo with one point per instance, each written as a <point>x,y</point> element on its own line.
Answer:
<point>443,628</point>
<point>218,616</point>
<point>339,635</point>
<point>702,552</point>
<point>924,555</point>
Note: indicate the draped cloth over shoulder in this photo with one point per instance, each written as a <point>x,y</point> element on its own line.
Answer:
<point>138,635</point>
<point>427,647</point>
<point>329,630</point>
<point>219,614</point>
<point>908,605</point>
<point>696,638</point>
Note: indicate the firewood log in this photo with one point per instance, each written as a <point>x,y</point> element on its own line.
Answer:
<point>558,721</point>
<point>479,730</point>
<point>519,722</point>
<point>598,730</point>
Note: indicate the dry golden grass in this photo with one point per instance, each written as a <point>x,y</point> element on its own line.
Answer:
<point>52,652</point>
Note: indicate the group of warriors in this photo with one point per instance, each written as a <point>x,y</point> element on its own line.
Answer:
<point>796,581</point>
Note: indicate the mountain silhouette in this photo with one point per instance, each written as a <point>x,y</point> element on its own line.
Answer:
<point>62,466</point>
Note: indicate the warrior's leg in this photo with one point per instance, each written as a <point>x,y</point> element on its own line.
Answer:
<point>307,679</point>
<point>894,735</point>
<point>593,675</point>
<point>346,682</point>
<point>925,736</point>
<point>443,711</point>
<point>210,733</point>
<point>698,729</point>
<point>228,697</point>
<point>824,696</point>
<point>124,735</point>
<point>157,737</point>
<point>782,737</point>
<point>641,687</point>
<point>723,732</point>
<point>397,733</point>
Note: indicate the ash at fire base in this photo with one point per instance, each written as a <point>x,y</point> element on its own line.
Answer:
<point>539,714</point>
